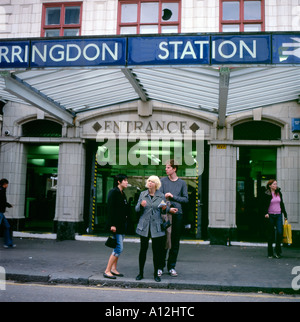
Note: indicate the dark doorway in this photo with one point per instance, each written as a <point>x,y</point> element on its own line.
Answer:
<point>41,185</point>
<point>102,178</point>
<point>255,166</point>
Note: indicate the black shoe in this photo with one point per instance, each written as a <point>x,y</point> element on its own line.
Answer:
<point>139,277</point>
<point>109,277</point>
<point>157,279</point>
<point>118,275</point>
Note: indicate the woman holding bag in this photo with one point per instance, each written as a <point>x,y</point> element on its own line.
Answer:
<point>151,204</point>
<point>273,210</point>
<point>118,214</point>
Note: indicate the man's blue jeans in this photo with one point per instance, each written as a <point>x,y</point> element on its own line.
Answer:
<point>7,236</point>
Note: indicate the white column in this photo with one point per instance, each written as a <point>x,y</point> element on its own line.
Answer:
<point>222,187</point>
<point>13,167</point>
<point>71,180</point>
<point>288,177</point>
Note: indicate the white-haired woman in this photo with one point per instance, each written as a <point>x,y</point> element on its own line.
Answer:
<point>150,225</point>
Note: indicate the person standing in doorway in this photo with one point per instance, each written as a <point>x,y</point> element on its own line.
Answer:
<point>273,207</point>
<point>176,192</point>
<point>8,242</point>
<point>118,214</point>
<point>151,204</point>
<point>150,225</point>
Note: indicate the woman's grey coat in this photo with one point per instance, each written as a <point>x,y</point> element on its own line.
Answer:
<point>151,215</point>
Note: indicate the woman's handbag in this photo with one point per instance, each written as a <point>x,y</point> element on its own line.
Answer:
<point>111,242</point>
<point>165,225</point>
<point>287,233</point>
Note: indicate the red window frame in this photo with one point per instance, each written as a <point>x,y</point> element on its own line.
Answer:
<point>138,23</point>
<point>242,22</point>
<point>62,26</point>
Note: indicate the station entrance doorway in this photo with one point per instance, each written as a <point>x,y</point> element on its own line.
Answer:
<point>41,187</point>
<point>255,166</point>
<point>102,180</point>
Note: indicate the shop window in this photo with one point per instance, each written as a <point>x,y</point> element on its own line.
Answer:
<point>41,128</point>
<point>242,16</point>
<point>149,17</point>
<point>61,19</point>
<point>257,130</point>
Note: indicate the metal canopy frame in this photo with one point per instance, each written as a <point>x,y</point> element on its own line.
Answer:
<point>30,95</point>
<point>64,92</point>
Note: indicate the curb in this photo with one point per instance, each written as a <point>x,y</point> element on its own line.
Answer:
<point>146,284</point>
<point>95,238</point>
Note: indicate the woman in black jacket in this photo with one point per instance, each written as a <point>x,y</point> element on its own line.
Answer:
<point>118,214</point>
<point>273,207</point>
<point>8,242</point>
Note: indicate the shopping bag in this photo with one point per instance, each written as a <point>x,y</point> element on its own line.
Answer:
<point>287,233</point>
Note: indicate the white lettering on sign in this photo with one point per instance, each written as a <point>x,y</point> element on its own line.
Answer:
<point>13,54</point>
<point>195,49</point>
<point>233,48</point>
<point>68,52</point>
<point>189,49</point>
<point>60,53</point>
<point>42,56</point>
<point>73,52</point>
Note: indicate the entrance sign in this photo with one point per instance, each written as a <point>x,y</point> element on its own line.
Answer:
<point>156,50</point>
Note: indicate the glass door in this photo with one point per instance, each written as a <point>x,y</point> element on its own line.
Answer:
<point>150,163</point>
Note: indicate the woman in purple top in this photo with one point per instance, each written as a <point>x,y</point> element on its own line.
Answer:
<point>273,210</point>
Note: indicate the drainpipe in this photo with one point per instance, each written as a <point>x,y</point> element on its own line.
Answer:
<point>2,103</point>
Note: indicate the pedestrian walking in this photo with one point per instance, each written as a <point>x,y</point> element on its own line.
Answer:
<point>8,241</point>
<point>118,214</point>
<point>274,208</point>
<point>176,192</point>
<point>151,205</point>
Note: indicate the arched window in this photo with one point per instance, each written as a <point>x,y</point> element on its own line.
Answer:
<point>257,130</point>
<point>41,128</point>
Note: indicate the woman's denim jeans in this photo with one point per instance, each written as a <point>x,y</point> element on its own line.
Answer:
<point>119,249</point>
<point>7,236</point>
<point>275,233</point>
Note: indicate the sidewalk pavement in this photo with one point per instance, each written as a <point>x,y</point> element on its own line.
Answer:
<point>200,266</point>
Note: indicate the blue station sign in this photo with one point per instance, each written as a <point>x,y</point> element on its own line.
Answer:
<point>14,54</point>
<point>213,49</point>
<point>63,53</point>
<point>177,50</point>
<point>241,49</point>
<point>208,50</point>
<point>78,52</point>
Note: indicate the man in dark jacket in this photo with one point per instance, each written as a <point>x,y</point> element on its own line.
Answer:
<point>175,191</point>
<point>3,204</point>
